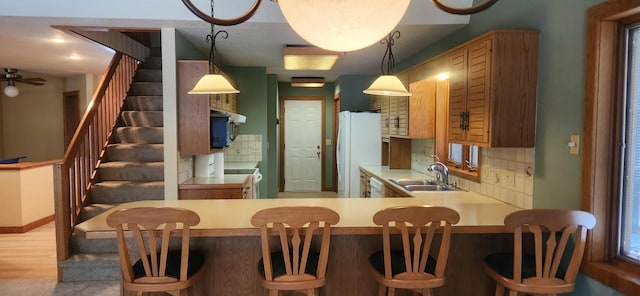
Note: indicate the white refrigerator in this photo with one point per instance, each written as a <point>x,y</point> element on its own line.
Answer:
<point>359,143</point>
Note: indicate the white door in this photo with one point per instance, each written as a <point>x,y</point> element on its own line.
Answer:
<point>302,145</point>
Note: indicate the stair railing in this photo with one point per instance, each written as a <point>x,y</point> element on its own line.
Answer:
<point>75,174</point>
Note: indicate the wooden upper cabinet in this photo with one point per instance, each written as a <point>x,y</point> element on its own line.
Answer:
<point>194,110</point>
<point>385,119</point>
<point>492,95</point>
<point>422,106</point>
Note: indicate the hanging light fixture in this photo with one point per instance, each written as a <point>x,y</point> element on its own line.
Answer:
<point>388,84</point>
<point>11,90</point>
<point>213,82</point>
<point>343,26</point>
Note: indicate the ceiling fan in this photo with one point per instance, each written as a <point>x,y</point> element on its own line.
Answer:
<point>11,76</point>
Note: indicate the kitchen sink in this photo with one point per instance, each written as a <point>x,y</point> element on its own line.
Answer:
<point>429,187</point>
<point>405,182</point>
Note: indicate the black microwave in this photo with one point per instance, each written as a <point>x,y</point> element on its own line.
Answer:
<point>222,130</point>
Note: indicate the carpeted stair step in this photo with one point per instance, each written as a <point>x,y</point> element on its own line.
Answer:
<point>135,152</point>
<point>146,89</point>
<point>92,210</point>
<point>131,171</point>
<point>144,103</point>
<point>152,62</point>
<point>80,245</point>
<point>140,135</point>
<point>142,118</point>
<point>115,192</point>
<point>149,75</point>
<point>91,267</point>
<point>156,51</point>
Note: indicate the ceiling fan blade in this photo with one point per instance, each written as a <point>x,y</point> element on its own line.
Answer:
<point>33,81</point>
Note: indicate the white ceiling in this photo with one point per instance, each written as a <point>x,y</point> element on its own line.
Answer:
<point>26,33</point>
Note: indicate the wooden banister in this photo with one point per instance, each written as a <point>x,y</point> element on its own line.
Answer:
<point>75,174</point>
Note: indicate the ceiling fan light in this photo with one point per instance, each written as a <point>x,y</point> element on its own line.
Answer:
<point>387,85</point>
<point>346,25</point>
<point>11,91</point>
<point>213,84</point>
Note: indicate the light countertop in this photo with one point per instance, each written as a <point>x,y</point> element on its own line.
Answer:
<point>227,179</point>
<point>478,213</point>
<point>239,165</point>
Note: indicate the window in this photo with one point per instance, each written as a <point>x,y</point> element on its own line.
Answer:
<point>463,157</point>
<point>611,158</point>
<point>629,238</point>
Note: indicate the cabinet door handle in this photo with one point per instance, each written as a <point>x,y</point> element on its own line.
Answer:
<point>397,121</point>
<point>467,121</point>
<point>462,120</point>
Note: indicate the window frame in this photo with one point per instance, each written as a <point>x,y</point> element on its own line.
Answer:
<point>602,131</point>
<point>461,170</point>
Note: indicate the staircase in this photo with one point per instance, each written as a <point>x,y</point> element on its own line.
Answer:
<point>132,169</point>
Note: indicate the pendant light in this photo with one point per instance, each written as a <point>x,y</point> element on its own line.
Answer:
<point>213,82</point>
<point>344,25</point>
<point>388,84</point>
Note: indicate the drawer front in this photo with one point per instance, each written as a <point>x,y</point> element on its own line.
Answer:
<point>225,193</point>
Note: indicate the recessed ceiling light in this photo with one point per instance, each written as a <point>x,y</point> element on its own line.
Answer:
<point>307,82</point>
<point>308,58</point>
<point>57,40</point>
<point>74,56</point>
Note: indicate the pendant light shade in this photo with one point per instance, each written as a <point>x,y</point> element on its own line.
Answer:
<point>213,84</point>
<point>387,85</point>
<point>344,25</point>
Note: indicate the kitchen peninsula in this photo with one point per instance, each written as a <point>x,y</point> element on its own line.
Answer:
<point>233,244</point>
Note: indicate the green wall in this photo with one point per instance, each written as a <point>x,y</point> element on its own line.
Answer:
<point>350,88</point>
<point>273,135</point>
<point>252,102</point>
<point>560,102</point>
<point>285,90</point>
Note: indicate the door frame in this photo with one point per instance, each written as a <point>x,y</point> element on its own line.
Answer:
<point>322,133</point>
<point>334,150</point>
<point>71,114</point>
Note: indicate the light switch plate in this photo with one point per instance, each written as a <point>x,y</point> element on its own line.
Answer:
<point>574,144</point>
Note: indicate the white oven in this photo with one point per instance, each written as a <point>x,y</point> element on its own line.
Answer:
<point>256,177</point>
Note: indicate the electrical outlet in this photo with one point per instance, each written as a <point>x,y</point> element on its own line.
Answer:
<point>486,173</point>
<point>508,178</point>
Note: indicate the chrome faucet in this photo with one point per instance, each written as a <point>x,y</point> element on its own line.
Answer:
<point>441,169</point>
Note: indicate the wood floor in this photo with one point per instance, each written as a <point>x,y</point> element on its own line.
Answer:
<point>30,255</point>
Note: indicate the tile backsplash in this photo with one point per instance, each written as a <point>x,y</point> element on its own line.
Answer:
<point>244,148</point>
<point>506,173</point>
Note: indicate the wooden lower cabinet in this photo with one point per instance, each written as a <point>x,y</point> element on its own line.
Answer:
<point>216,191</point>
<point>365,186</point>
<point>392,192</point>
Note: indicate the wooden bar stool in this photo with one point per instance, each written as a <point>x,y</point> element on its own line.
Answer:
<point>295,266</point>
<point>554,264</point>
<point>413,267</point>
<point>159,269</point>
